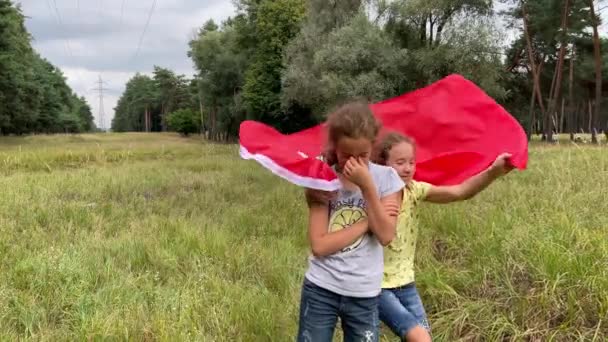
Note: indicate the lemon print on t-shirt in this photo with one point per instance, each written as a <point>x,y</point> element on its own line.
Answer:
<point>344,218</point>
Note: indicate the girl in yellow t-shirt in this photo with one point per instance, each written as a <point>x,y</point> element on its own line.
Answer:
<point>400,305</point>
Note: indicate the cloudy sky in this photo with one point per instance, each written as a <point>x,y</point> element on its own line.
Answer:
<point>89,38</point>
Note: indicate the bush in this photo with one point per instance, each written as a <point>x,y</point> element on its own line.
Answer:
<point>184,121</point>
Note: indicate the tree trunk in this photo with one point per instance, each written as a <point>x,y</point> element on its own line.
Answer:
<point>200,106</point>
<point>423,32</point>
<point>149,120</point>
<point>515,62</point>
<point>162,117</point>
<point>146,122</point>
<point>431,29</point>
<point>550,109</point>
<point>580,115</point>
<point>571,124</point>
<point>553,80</point>
<point>532,114</point>
<point>558,74</point>
<point>168,110</point>
<point>439,33</point>
<point>441,24</point>
<point>571,95</point>
<point>598,73</point>
<point>213,125</point>
<point>535,70</point>
<point>590,112</point>
<point>561,119</point>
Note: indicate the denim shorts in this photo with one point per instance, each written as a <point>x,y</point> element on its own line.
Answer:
<point>320,310</point>
<point>401,309</point>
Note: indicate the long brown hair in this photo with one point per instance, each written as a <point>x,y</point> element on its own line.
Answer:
<point>353,120</point>
<point>386,143</point>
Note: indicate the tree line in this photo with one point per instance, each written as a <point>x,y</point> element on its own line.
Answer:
<point>148,101</point>
<point>560,63</point>
<point>34,95</point>
<point>286,62</point>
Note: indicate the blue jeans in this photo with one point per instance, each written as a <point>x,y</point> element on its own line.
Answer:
<point>401,309</point>
<point>320,309</point>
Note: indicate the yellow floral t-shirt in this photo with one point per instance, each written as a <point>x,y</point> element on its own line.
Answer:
<point>399,254</point>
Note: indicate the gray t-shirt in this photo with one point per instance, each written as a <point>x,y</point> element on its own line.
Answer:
<point>356,271</point>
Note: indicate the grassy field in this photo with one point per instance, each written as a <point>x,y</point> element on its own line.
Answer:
<point>156,237</point>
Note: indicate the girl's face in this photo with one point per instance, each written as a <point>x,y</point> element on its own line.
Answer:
<point>402,158</point>
<point>347,148</point>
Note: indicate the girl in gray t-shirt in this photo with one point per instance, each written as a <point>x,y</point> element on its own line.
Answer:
<point>347,233</point>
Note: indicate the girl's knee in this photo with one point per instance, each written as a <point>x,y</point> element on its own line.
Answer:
<point>418,334</point>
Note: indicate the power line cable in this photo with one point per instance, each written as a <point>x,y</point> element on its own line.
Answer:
<point>122,11</point>
<point>143,34</point>
<point>54,15</point>
<point>66,41</point>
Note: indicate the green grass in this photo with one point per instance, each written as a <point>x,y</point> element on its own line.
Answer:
<point>156,237</point>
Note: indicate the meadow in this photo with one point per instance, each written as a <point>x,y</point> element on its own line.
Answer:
<point>154,237</point>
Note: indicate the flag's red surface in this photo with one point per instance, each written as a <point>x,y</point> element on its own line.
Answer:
<point>459,131</point>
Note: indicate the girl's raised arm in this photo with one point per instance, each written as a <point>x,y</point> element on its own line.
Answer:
<point>473,185</point>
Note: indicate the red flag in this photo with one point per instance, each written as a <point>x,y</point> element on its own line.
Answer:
<point>458,129</point>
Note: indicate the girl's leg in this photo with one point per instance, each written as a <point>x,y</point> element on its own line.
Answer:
<point>360,321</point>
<point>318,314</point>
<point>410,298</point>
<point>418,334</point>
<point>399,318</point>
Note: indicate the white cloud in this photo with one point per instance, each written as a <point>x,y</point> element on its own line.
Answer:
<point>88,38</point>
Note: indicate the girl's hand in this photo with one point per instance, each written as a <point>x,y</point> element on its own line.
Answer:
<point>320,196</point>
<point>357,171</point>
<point>502,165</point>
